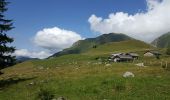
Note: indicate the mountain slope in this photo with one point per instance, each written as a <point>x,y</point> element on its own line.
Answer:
<point>162,41</point>
<point>84,45</point>
<point>123,46</point>
<point>20,59</point>
<point>103,51</point>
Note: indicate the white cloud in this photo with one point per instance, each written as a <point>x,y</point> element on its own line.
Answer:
<point>144,26</point>
<point>26,53</point>
<point>56,38</point>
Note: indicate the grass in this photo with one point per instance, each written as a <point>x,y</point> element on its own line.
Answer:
<point>123,46</point>
<point>88,81</point>
<point>85,77</point>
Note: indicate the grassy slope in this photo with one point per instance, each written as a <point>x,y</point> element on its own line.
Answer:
<point>162,41</point>
<point>81,77</point>
<point>124,46</point>
<point>84,45</point>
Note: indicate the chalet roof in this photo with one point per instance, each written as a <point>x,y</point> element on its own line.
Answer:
<point>124,57</point>
<point>116,54</point>
<point>154,52</point>
<point>133,54</point>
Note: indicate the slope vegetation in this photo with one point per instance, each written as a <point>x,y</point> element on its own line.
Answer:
<point>84,45</point>
<point>123,46</point>
<point>162,41</point>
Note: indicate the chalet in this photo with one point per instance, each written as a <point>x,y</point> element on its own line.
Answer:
<point>116,54</point>
<point>151,53</point>
<point>134,55</point>
<point>123,57</point>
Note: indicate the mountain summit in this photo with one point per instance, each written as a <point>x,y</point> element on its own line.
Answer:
<point>84,45</point>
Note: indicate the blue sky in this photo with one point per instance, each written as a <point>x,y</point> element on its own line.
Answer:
<point>32,16</point>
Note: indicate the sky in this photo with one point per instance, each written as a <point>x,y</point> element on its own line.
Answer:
<point>43,27</point>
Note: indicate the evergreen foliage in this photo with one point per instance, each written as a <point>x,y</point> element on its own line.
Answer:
<point>6,59</point>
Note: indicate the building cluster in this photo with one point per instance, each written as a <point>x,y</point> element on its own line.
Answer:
<point>125,57</point>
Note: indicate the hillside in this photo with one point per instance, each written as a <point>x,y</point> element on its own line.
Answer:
<point>83,77</point>
<point>162,41</point>
<point>123,46</point>
<point>84,45</point>
<point>103,50</point>
<point>20,59</point>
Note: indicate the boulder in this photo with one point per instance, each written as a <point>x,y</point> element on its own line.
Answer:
<point>61,98</point>
<point>140,64</point>
<point>128,74</point>
<point>41,68</point>
<point>107,65</point>
<point>32,83</point>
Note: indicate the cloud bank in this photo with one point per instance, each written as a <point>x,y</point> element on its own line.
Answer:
<point>26,53</point>
<point>56,38</point>
<point>52,39</point>
<point>144,26</point>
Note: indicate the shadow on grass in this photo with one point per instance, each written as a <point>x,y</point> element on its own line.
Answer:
<point>6,82</point>
<point>1,73</point>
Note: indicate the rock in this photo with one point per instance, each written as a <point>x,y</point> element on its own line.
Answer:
<point>107,65</point>
<point>32,83</point>
<point>75,63</point>
<point>140,64</point>
<point>88,62</point>
<point>99,63</point>
<point>128,74</point>
<point>61,98</point>
<point>44,81</point>
<point>41,68</point>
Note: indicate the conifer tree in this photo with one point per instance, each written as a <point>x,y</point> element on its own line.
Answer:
<point>6,59</point>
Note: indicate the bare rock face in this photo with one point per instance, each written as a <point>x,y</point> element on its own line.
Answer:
<point>128,74</point>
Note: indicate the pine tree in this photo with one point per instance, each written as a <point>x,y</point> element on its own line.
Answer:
<point>6,59</point>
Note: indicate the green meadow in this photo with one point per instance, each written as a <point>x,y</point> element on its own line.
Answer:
<point>89,76</point>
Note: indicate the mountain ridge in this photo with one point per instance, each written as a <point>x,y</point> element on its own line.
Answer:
<point>162,41</point>
<point>84,45</point>
<point>20,59</point>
